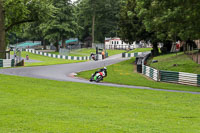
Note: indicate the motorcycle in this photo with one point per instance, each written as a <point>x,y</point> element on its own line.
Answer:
<point>93,56</point>
<point>99,75</point>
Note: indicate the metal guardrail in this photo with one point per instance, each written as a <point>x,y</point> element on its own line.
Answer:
<point>150,72</point>
<point>58,56</point>
<point>7,62</point>
<point>171,77</point>
<point>128,55</point>
<point>180,78</point>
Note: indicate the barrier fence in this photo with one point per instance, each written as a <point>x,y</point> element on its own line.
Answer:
<point>171,77</point>
<point>128,55</point>
<point>180,77</point>
<point>7,62</point>
<point>58,56</point>
<point>150,72</point>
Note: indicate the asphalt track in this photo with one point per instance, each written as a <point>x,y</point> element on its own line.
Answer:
<point>64,72</point>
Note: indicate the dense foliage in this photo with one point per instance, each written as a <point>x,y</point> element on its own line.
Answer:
<point>98,18</point>
<point>14,13</point>
<point>156,21</point>
<point>165,21</point>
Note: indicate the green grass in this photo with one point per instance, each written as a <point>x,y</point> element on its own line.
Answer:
<point>114,52</point>
<point>184,63</point>
<point>87,52</point>
<point>45,60</point>
<point>140,50</point>
<point>125,73</point>
<point>38,106</point>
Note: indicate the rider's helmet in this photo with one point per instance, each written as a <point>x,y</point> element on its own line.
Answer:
<point>105,68</point>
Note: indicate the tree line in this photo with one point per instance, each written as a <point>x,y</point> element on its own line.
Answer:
<point>51,21</point>
<point>157,21</point>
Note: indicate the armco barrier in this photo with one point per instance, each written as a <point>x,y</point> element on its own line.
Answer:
<point>7,62</point>
<point>128,55</point>
<point>179,77</point>
<point>171,77</point>
<point>150,72</point>
<point>58,56</point>
<point>167,76</point>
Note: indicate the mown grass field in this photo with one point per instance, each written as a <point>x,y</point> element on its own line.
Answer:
<point>45,60</point>
<point>184,63</point>
<point>38,105</point>
<point>87,52</point>
<point>125,73</point>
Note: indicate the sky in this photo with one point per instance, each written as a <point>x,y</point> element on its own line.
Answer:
<point>73,0</point>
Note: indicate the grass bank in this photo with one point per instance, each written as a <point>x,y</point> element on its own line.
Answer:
<point>45,60</point>
<point>38,105</point>
<point>125,73</point>
<point>87,52</point>
<point>182,61</point>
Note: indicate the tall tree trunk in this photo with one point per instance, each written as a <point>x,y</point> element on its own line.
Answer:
<point>2,32</point>
<point>63,42</point>
<point>155,49</point>
<point>57,46</point>
<point>44,43</point>
<point>93,26</point>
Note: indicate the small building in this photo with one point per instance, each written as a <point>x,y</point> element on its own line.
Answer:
<point>117,43</point>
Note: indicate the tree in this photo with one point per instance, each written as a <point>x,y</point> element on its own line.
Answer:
<point>62,24</point>
<point>131,27</point>
<point>98,18</point>
<point>171,19</point>
<point>13,13</point>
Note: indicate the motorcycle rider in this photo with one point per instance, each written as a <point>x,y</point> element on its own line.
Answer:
<point>99,71</point>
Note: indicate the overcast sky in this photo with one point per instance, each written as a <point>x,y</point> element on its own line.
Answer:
<point>73,0</point>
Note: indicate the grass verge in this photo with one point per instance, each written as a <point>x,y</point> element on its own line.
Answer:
<point>184,63</point>
<point>87,52</point>
<point>140,50</point>
<point>38,105</point>
<point>45,60</point>
<point>125,73</point>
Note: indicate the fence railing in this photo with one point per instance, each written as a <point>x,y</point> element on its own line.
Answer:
<point>119,47</point>
<point>180,77</point>
<point>150,72</point>
<point>171,77</point>
<point>58,56</point>
<point>7,62</point>
<point>128,55</point>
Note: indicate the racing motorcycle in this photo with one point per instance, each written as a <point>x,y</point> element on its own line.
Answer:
<point>99,75</point>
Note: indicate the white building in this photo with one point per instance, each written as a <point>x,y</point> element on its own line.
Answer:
<point>117,43</point>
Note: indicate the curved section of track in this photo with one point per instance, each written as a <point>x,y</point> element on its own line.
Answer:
<point>62,72</point>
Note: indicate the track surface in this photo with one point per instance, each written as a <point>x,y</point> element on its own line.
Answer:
<point>64,72</point>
